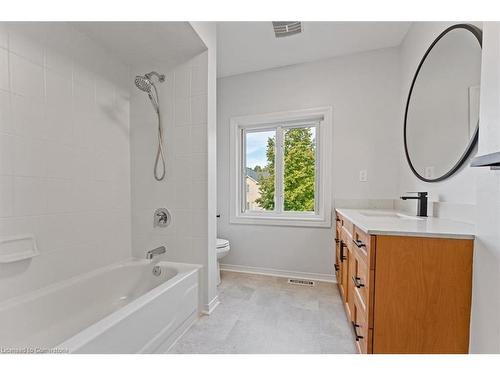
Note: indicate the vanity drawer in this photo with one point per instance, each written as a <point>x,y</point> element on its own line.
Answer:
<point>338,222</point>
<point>362,246</point>
<point>362,332</point>
<point>360,278</point>
<point>344,223</point>
<point>337,265</point>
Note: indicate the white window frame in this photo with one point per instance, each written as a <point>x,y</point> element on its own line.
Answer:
<point>321,118</point>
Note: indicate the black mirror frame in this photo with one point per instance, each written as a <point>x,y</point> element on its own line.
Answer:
<point>477,32</point>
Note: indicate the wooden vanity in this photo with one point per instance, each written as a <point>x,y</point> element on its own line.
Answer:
<point>406,285</point>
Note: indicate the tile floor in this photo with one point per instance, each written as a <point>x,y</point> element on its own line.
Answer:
<point>264,314</point>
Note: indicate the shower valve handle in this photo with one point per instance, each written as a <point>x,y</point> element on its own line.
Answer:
<point>163,217</point>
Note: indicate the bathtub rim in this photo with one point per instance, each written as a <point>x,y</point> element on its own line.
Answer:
<point>92,331</point>
<point>72,343</point>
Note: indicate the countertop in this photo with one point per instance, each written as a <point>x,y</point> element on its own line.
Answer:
<point>394,223</point>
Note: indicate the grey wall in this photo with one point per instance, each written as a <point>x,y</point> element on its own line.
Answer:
<point>363,90</point>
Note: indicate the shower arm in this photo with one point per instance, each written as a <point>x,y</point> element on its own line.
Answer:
<point>161,77</point>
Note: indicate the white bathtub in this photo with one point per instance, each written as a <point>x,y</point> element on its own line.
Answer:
<point>122,308</point>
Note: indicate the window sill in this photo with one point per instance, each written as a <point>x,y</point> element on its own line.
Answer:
<point>314,222</point>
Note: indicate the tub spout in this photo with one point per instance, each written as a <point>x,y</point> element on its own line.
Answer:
<point>159,250</point>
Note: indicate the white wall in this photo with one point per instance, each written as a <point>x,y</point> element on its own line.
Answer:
<point>363,90</point>
<point>64,131</point>
<point>485,328</point>
<point>183,105</point>
<point>476,188</point>
<point>207,31</point>
<point>460,188</point>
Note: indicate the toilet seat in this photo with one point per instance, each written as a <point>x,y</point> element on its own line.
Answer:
<point>222,249</point>
<point>221,243</point>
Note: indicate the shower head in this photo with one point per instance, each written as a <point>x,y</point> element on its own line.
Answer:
<point>143,83</point>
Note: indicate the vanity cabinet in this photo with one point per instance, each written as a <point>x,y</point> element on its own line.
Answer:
<point>405,294</point>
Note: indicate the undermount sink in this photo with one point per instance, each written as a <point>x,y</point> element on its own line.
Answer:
<point>392,215</point>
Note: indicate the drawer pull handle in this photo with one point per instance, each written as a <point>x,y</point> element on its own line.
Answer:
<point>342,256</point>
<point>354,327</point>
<point>337,240</point>
<point>357,282</point>
<point>336,266</point>
<point>359,243</point>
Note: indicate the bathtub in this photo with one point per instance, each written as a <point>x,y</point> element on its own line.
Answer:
<point>122,308</point>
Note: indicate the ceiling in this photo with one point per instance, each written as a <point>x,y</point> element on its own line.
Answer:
<point>135,43</point>
<point>251,46</point>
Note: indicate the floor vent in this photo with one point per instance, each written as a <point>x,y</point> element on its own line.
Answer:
<point>301,282</point>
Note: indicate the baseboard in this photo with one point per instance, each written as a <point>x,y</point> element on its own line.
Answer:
<point>210,307</point>
<point>279,273</point>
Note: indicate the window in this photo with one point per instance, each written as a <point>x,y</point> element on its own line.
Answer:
<point>279,168</point>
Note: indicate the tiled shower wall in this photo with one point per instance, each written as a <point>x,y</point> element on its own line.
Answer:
<point>64,153</point>
<point>183,101</point>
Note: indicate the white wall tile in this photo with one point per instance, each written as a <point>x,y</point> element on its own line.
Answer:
<point>182,81</point>
<point>186,162</point>
<point>181,140</point>
<point>83,75</point>
<point>200,222</point>
<point>57,61</point>
<point>60,196</point>
<point>83,163</point>
<point>182,111</point>
<point>26,39</point>
<point>4,36</point>
<point>102,165</point>
<point>84,115</point>
<point>59,88</point>
<point>181,168</point>
<point>183,194</point>
<point>59,121</point>
<point>27,78</point>
<point>30,157</point>
<point>198,137</point>
<point>64,157</point>
<point>30,196</point>
<point>6,125</point>
<point>13,226</point>
<point>105,95</point>
<point>6,196</point>
<point>4,70</point>
<point>184,222</point>
<point>199,109</point>
<point>55,232</point>
<point>199,168</point>
<point>28,116</point>
<point>199,194</point>
<point>58,54</point>
<point>199,79</point>
<point>6,154</point>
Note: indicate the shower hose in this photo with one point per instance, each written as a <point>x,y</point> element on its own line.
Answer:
<point>160,153</point>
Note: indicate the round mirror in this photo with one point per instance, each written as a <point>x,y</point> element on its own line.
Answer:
<point>442,110</point>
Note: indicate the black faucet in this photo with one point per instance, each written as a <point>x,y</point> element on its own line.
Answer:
<point>422,202</point>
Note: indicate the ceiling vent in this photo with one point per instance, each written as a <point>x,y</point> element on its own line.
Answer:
<point>286,28</point>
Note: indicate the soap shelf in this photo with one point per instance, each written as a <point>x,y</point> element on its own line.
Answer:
<point>16,248</point>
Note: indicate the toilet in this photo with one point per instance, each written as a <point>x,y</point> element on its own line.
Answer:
<point>222,248</point>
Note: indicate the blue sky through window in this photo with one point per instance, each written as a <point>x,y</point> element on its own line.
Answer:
<point>256,144</point>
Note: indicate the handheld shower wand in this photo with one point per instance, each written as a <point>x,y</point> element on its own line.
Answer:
<point>145,83</point>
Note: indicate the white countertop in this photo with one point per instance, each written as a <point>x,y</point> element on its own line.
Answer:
<point>394,223</point>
